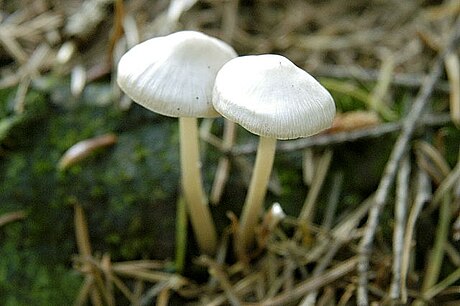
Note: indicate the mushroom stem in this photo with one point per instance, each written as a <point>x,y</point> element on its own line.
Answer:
<point>192,186</point>
<point>256,194</point>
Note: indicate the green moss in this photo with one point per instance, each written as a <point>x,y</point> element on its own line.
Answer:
<point>127,191</point>
<point>25,279</point>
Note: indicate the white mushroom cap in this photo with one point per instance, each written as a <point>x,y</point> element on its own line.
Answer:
<point>270,96</point>
<point>173,75</point>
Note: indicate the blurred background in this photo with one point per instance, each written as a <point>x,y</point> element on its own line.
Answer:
<point>57,88</point>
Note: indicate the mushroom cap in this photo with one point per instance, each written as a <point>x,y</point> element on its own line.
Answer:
<point>270,96</point>
<point>174,75</point>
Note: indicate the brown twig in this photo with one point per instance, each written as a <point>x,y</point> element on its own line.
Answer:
<point>327,139</point>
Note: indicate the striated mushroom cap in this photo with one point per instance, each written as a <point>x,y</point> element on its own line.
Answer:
<point>173,75</point>
<point>270,96</point>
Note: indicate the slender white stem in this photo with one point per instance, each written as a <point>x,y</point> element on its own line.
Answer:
<point>192,185</point>
<point>256,194</point>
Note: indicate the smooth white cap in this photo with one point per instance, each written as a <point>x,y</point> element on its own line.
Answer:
<point>174,75</point>
<point>270,96</point>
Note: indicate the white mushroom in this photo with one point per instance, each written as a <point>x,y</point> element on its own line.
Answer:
<point>271,97</point>
<point>174,75</point>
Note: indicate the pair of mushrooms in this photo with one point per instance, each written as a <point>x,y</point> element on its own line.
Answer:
<point>191,75</point>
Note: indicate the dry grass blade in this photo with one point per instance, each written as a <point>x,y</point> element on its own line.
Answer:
<point>392,165</point>
<point>31,30</point>
<point>448,183</point>
<point>323,263</point>
<point>163,297</point>
<point>442,285</point>
<point>423,192</point>
<point>81,231</point>
<point>155,291</point>
<point>20,98</point>
<point>85,291</point>
<point>229,24</point>
<point>12,217</point>
<point>314,283</point>
<point>342,233</point>
<point>117,31</point>
<point>13,32</point>
<point>432,161</point>
<point>139,264</point>
<point>334,199</point>
<point>30,69</point>
<point>347,295</point>
<point>13,47</point>
<point>402,201</point>
<point>108,288</point>
<point>38,60</point>
<point>152,276</point>
<point>96,290</point>
<point>308,209</point>
<point>124,290</point>
<point>216,271</point>
<point>223,167</point>
<point>380,92</point>
<point>453,75</point>
<point>436,257</point>
<point>103,277</point>
<point>242,287</point>
<point>308,166</point>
